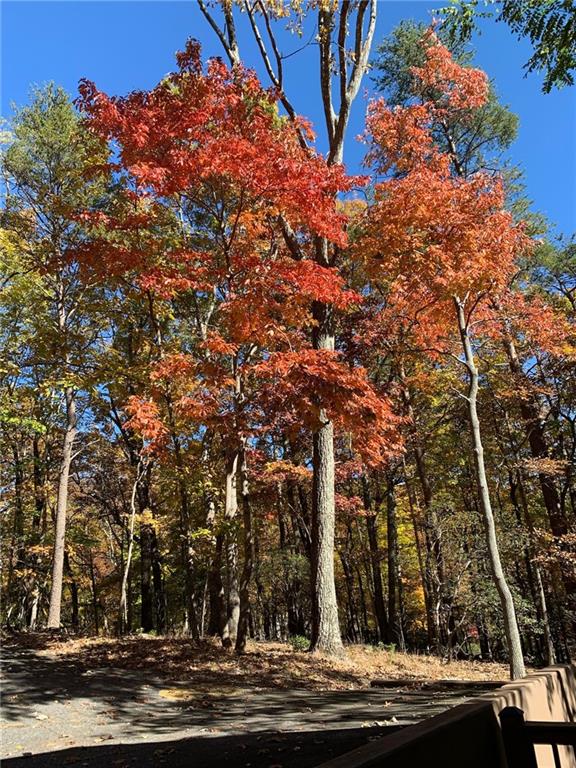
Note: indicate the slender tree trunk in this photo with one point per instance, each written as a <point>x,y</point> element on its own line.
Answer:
<point>187,554</point>
<point>434,561</point>
<point>158,583</point>
<point>17,553</point>
<point>123,612</point>
<point>395,633</point>
<point>230,517</point>
<point>248,565</point>
<point>54,611</point>
<point>73,592</point>
<point>39,514</point>
<point>94,597</point>
<point>216,594</point>
<point>146,587</point>
<point>530,412</point>
<point>416,526</point>
<point>516,660</point>
<point>372,528</point>
<point>540,593</point>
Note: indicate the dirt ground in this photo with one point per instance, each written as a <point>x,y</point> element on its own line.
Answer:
<point>266,665</point>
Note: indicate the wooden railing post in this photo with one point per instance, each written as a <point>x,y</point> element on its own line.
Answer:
<point>519,748</point>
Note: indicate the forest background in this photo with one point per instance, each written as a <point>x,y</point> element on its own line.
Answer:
<point>155,538</point>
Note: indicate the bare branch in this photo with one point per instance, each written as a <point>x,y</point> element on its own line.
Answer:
<point>228,39</point>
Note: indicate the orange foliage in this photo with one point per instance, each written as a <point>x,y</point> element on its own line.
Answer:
<point>430,236</point>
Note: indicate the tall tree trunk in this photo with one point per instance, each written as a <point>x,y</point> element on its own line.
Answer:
<point>431,628</point>
<point>540,594</point>
<point>187,554</point>
<point>216,595</point>
<point>123,623</point>
<point>73,592</point>
<point>434,562</point>
<point>146,587</point>
<point>54,611</point>
<point>37,517</point>
<point>395,633</point>
<point>248,565</point>
<point>17,552</point>
<point>94,597</point>
<point>516,660</point>
<point>231,544</point>
<point>325,625</point>
<point>158,583</point>
<point>372,528</point>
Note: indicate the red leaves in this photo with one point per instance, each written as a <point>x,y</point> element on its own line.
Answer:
<point>402,138</point>
<point>311,381</point>
<point>195,129</point>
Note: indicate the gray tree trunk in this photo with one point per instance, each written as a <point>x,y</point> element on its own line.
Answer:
<point>248,566</point>
<point>230,629</point>
<point>325,625</point>
<point>54,611</point>
<point>515,657</point>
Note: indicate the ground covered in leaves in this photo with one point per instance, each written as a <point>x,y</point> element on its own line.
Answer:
<point>266,665</point>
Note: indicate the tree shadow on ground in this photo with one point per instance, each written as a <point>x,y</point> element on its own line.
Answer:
<point>203,662</point>
<point>303,749</point>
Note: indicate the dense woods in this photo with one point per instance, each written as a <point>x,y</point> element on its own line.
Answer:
<point>245,394</point>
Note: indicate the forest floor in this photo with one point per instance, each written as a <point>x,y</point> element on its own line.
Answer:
<point>157,702</point>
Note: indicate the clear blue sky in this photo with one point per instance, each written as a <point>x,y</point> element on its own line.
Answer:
<point>126,45</point>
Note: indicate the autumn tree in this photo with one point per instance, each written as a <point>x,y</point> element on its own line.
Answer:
<point>448,246</point>
<point>210,151</point>
<point>45,171</point>
<point>348,29</point>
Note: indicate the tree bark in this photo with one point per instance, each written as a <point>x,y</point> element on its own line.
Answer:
<point>248,565</point>
<point>54,611</point>
<point>73,593</point>
<point>230,629</point>
<point>395,633</point>
<point>146,589</point>
<point>372,510</point>
<point>325,625</point>
<point>515,657</point>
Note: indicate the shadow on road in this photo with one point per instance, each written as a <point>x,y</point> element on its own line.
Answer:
<point>303,749</point>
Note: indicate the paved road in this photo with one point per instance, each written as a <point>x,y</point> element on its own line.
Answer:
<point>56,714</point>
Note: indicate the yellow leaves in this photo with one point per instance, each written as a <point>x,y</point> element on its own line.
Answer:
<point>200,534</point>
<point>146,518</point>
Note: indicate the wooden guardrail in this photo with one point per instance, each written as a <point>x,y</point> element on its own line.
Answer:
<point>520,736</point>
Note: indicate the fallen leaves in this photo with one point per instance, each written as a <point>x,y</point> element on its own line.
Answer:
<point>204,672</point>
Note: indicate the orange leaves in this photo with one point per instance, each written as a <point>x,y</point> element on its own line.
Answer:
<point>312,282</point>
<point>536,323</point>
<point>402,138</point>
<point>311,381</point>
<point>461,87</point>
<point>430,236</point>
<point>173,368</point>
<point>146,421</point>
<point>216,344</point>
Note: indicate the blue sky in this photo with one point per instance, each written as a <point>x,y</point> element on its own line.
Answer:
<point>130,44</point>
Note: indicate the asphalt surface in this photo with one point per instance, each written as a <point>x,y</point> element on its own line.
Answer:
<point>56,714</point>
